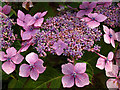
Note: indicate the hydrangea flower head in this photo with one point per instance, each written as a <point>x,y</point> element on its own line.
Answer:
<point>59,46</point>
<point>94,19</point>
<point>34,69</point>
<point>11,58</point>
<point>77,72</point>
<point>86,8</point>
<point>109,36</point>
<point>6,9</point>
<point>105,62</point>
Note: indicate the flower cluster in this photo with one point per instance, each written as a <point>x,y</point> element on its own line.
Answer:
<point>6,32</point>
<point>66,34</point>
<point>112,12</point>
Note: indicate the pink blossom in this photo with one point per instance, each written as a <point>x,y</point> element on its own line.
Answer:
<point>11,58</point>
<point>117,34</point>
<point>86,8</point>
<point>105,62</point>
<point>6,9</point>
<point>109,36</point>
<point>105,3</point>
<point>113,83</point>
<point>94,19</point>
<point>37,20</point>
<point>59,46</point>
<point>77,72</point>
<point>34,69</point>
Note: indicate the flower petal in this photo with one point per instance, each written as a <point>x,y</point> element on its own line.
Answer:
<point>39,22</point>
<point>81,80</point>
<point>110,56</point>
<point>6,9</point>
<point>84,5</point>
<point>31,58</point>
<point>67,81</point>
<point>113,42</point>
<point>21,15</point>
<point>24,48</point>
<point>100,18</point>
<point>20,23</point>
<point>34,74</point>
<point>24,70</point>
<point>28,17</point>
<point>112,32</point>
<point>17,59</point>
<point>59,51</point>
<point>43,14</point>
<point>112,83</point>
<point>114,72</point>
<point>106,29</point>
<point>39,66</point>
<point>86,19</point>
<point>67,68</point>
<point>92,15</point>
<point>26,35</point>
<point>2,58</point>
<point>11,52</point>
<point>80,67</point>
<point>31,22</point>
<point>100,63</point>
<point>92,5</point>
<point>117,34</point>
<point>8,67</point>
<point>80,13</point>
<point>107,39</point>
<point>108,66</point>
<point>93,24</point>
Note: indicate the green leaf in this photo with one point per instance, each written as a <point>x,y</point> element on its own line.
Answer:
<point>17,44</point>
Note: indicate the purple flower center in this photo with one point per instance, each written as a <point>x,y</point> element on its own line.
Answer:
<point>110,35</point>
<point>8,59</point>
<point>93,18</point>
<point>31,67</point>
<point>36,17</point>
<point>74,74</point>
<point>31,28</point>
<point>86,8</point>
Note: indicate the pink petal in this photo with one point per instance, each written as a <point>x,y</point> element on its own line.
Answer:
<point>6,9</point>
<point>117,34</point>
<point>67,68</point>
<point>81,80</point>
<point>113,42</point>
<point>92,15</point>
<point>37,15</point>
<point>34,32</point>
<point>114,72</point>
<point>108,66</point>
<point>84,4</point>
<point>67,81</point>
<point>106,29</point>
<point>21,15</point>
<point>43,14</point>
<point>107,4</point>
<point>100,63</point>
<point>17,59</point>
<point>24,70</point>
<point>112,83</point>
<point>2,58</point>
<point>113,34</point>
<point>26,35</point>
<point>118,4</point>
<point>80,67</point>
<point>39,22</point>
<point>86,19</point>
<point>11,52</point>
<point>93,24</point>
<point>39,66</point>
<point>8,67</point>
<point>80,13</point>
<point>100,18</point>
<point>92,5</point>
<point>21,33</point>
<point>28,17</point>
<point>20,23</point>
<point>59,51</point>
<point>34,74</point>
<point>31,22</point>
<point>31,58</point>
<point>24,48</point>
<point>55,46</point>
<point>110,56</point>
<point>88,11</point>
<point>107,39</point>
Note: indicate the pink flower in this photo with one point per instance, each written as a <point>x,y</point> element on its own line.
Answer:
<point>6,9</point>
<point>118,4</point>
<point>105,3</point>
<point>59,46</point>
<point>117,34</point>
<point>77,72</point>
<point>11,59</point>
<point>105,62</point>
<point>86,8</point>
<point>109,36</point>
<point>23,19</point>
<point>38,19</point>
<point>34,69</point>
<point>113,83</point>
<point>94,19</point>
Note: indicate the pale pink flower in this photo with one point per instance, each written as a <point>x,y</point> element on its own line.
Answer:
<point>109,36</point>
<point>77,72</point>
<point>34,69</point>
<point>105,62</point>
<point>11,58</point>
